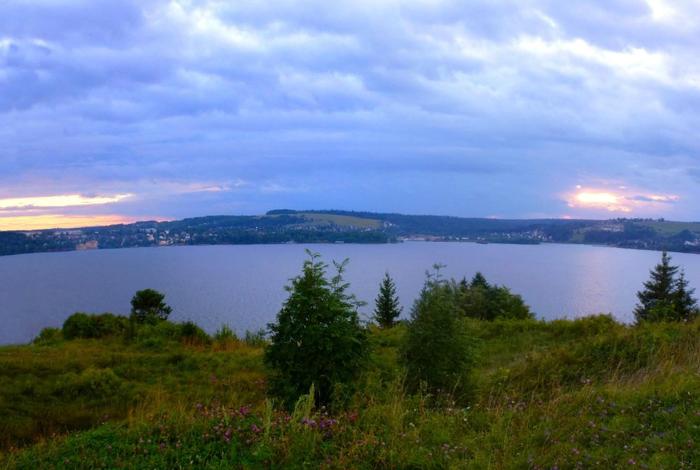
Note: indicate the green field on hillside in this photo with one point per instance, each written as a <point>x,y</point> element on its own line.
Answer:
<point>588,393</point>
<point>342,220</point>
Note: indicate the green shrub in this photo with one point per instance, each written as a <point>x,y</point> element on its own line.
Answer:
<point>225,333</point>
<point>49,336</point>
<point>485,301</point>
<point>90,384</point>
<point>83,325</point>
<point>193,334</point>
<point>154,336</point>
<point>255,339</point>
<point>437,350</point>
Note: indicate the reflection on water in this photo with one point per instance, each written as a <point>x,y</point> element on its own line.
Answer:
<point>243,285</point>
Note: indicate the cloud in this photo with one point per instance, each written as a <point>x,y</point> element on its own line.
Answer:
<point>486,106</point>
<point>620,199</point>
<point>65,200</point>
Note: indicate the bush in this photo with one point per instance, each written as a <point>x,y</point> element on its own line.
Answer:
<point>82,325</point>
<point>437,350</point>
<point>255,338</point>
<point>156,336</point>
<point>225,334</point>
<point>317,339</point>
<point>193,334</point>
<point>484,301</point>
<point>90,384</point>
<point>49,336</point>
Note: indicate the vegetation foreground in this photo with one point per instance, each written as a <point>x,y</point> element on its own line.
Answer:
<point>110,392</point>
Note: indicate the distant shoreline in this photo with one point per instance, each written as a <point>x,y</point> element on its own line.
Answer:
<point>339,227</point>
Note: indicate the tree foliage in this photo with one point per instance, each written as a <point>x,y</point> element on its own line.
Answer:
<point>148,306</point>
<point>437,351</point>
<point>484,301</point>
<point>387,308</point>
<point>317,338</point>
<point>666,295</point>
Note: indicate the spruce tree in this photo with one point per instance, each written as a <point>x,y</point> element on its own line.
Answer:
<point>657,300</point>
<point>387,308</point>
<point>685,305</point>
<point>480,281</point>
<point>317,338</point>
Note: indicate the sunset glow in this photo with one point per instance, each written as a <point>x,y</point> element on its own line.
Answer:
<point>622,199</point>
<point>595,199</point>
<point>65,200</point>
<point>60,221</point>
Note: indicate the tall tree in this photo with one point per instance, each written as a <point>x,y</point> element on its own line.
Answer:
<point>317,338</point>
<point>387,308</point>
<point>657,299</point>
<point>685,304</point>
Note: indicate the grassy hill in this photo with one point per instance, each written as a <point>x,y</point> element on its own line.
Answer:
<point>589,393</point>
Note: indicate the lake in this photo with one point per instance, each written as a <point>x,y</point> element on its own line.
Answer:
<point>242,285</point>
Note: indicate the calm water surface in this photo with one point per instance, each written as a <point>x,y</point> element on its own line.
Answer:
<point>242,286</point>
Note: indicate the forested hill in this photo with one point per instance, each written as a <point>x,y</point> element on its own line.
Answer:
<point>332,226</point>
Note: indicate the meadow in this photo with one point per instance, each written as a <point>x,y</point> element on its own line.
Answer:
<point>562,394</point>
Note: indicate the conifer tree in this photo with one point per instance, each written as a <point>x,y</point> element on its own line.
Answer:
<point>657,300</point>
<point>686,306</point>
<point>480,281</point>
<point>387,308</point>
<point>317,338</point>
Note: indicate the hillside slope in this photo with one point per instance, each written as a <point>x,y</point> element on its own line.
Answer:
<point>589,393</point>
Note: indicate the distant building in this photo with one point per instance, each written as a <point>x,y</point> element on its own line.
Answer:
<point>88,245</point>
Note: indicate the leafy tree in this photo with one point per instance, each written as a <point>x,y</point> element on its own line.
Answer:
<point>504,304</point>
<point>148,306</point>
<point>387,308</point>
<point>437,351</point>
<point>657,300</point>
<point>480,299</point>
<point>317,338</point>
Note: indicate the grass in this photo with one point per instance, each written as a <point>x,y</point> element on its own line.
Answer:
<point>588,393</point>
<point>342,220</point>
<point>670,228</point>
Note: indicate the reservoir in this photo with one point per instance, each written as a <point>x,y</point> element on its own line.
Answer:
<point>243,285</point>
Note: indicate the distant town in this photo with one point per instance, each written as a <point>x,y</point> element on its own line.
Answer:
<point>287,226</point>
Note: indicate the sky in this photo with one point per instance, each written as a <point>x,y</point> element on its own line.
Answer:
<point>116,111</point>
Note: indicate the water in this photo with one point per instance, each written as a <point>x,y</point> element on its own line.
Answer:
<point>242,286</point>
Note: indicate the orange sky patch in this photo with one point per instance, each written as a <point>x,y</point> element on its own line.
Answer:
<point>36,222</point>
